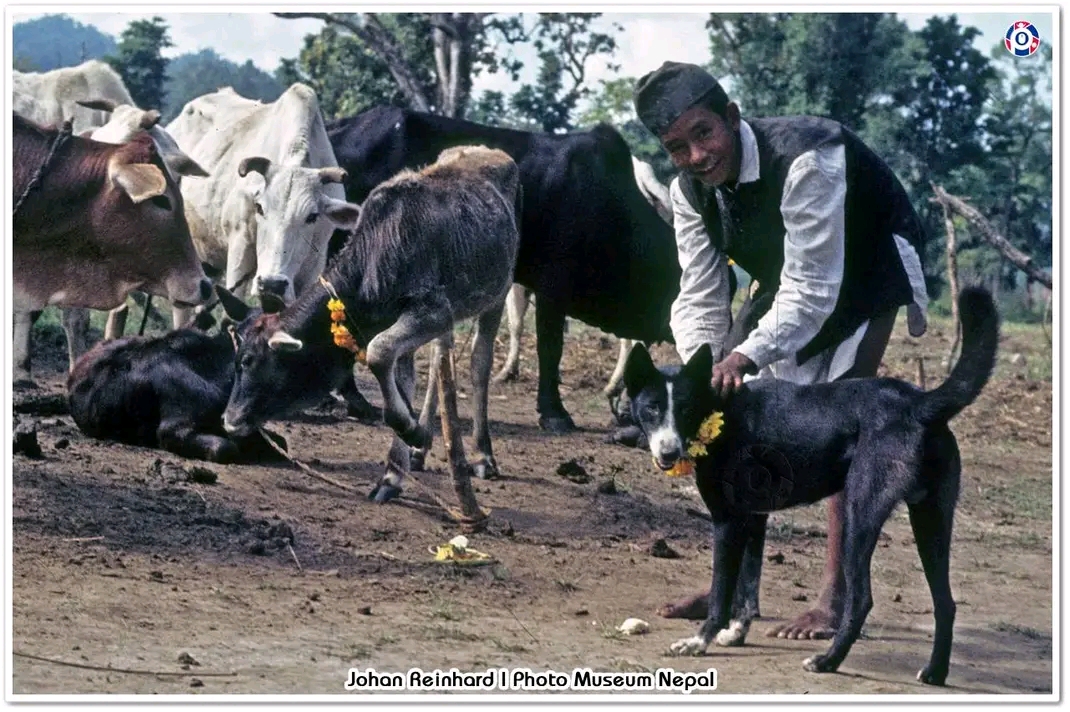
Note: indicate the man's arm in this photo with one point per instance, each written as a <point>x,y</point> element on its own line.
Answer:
<point>813,210</point>
<point>701,312</point>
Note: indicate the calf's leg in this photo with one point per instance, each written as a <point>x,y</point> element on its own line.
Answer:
<point>76,326</point>
<point>482,361</point>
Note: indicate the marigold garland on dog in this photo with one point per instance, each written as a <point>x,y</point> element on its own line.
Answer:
<point>707,433</point>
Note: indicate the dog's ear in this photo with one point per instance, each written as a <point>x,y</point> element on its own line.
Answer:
<point>700,366</point>
<point>639,371</point>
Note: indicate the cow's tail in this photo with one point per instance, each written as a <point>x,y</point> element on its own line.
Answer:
<point>980,339</point>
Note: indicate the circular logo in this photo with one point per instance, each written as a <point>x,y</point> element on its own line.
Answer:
<point>758,479</point>
<point>1022,39</point>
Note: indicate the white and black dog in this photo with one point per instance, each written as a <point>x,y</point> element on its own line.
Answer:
<point>879,440</point>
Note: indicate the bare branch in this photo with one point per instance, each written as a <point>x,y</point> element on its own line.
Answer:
<point>989,234</point>
<point>383,43</point>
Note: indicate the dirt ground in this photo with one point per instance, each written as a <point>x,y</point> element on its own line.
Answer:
<point>120,563</point>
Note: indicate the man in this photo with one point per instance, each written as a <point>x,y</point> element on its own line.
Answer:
<point>822,223</point>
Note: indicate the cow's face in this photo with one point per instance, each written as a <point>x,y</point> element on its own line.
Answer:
<point>275,375</point>
<point>140,216</point>
<point>296,209</point>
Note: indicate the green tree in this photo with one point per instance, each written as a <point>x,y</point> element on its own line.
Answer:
<point>427,61</point>
<point>140,62</point>
<point>55,41</point>
<point>614,104</point>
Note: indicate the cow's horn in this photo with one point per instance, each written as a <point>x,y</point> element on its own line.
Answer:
<point>149,119</point>
<point>332,174</point>
<point>254,163</point>
<point>281,341</point>
<point>97,104</point>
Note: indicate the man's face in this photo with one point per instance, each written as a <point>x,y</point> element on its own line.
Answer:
<point>703,144</point>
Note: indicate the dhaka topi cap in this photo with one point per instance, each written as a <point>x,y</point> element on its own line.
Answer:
<point>664,94</point>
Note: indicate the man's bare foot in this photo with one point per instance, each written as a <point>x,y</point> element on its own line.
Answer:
<point>692,608</point>
<point>815,624</point>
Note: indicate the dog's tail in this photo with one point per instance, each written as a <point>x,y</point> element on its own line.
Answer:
<point>980,339</point>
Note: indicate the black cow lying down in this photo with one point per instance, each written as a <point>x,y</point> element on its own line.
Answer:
<point>166,392</point>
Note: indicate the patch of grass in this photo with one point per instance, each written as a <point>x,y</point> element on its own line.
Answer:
<point>622,665</point>
<point>441,632</point>
<point>509,647</point>
<point>445,609</point>
<point>610,632</point>
<point>567,586</point>
<point>1031,633</point>
<point>386,639</point>
<point>353,651</point>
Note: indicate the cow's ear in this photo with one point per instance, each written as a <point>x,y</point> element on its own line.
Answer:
<point>183,165</point>
<point>97,104</point>
<point>281,341</point>
<point>140,181</point>
<point>235,308</point>
<point>341,213</point>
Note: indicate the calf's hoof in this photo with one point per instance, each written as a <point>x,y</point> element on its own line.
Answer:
<point>486,469</point>
<point>416,437</point>
<point>557,423</point>
<point>929,676</point>
<point>508,374</point>
<point>691,647</point>
<point>416,460</point>
<point>365,412</point>
<point>383,492</point>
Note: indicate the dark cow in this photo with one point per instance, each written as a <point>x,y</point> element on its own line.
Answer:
<point>429,249</point>
<point>591,246</point>
<point>165,392</point>
<point>92,222</point>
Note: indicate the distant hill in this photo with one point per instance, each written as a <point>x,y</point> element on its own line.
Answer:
<point>55,41</point>
<point>192,75</point>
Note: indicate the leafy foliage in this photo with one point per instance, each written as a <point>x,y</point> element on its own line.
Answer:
<point>140,63</point>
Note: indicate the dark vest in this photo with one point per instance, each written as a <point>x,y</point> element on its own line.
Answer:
<point>877,205</point>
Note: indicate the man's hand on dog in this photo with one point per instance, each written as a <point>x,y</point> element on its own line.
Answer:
<point>727,376</point>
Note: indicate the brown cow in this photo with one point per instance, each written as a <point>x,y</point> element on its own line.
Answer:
<point>99,221</point>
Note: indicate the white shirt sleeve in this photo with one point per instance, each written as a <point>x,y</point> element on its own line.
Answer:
<point>701,312</point>
<point>813,210</point>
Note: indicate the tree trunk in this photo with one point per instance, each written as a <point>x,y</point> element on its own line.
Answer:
<point>953,283</point>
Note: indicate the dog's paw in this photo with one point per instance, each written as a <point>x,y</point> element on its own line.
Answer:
<point>734,635</point>
<point>689,646</point>
<point>819,663</point>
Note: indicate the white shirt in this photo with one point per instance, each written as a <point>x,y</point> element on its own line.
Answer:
<point>812,207</point>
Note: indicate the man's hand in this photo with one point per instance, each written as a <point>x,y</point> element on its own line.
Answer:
<point>727,376</point>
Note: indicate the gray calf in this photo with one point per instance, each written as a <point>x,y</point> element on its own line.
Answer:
<point>431,248</point>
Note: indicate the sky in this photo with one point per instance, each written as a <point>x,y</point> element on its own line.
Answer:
<point>648,38</point>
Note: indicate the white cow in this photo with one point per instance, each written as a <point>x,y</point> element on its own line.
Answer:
<point>274,196</point>
<point>516,304</point>
<point>50,98</point>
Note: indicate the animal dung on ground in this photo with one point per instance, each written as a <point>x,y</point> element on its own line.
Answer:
<point>202,475</point>
<point>660,549</point>
<point>25,439</point>
<point>574,472</point>
<point>634,626</point>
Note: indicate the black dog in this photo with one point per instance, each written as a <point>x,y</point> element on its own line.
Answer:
<point>880,440</point>
<point>167,392</point>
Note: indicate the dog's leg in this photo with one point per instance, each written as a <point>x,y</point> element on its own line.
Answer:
<point>867,510</point>
<point>745,601</point>
<point>931,520</point>
<point>729,541</point>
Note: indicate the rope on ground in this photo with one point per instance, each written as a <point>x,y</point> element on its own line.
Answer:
<point>127,671</point>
